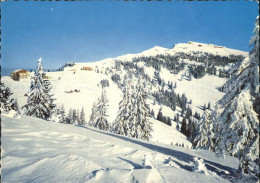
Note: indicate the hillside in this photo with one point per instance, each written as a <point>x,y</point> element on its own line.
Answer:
<point>44,151</point>
<point>200,91</point>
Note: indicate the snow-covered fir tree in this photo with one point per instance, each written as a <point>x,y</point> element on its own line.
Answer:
<point>121,125</point>
<point>152,113</point>
<point>184,126</point>
<point>140,126</point>
<point>203,127</point>
<point>69,118</point>
<point>15,106</point>
<point>74,116</point>
<point>78,117</point>
<point>178,127</point>
<point>93,116</point>
<point>82,118</point>
<point>58,115</point>
<point>62,115</point>
<point>6,100</point>
<point>40,101</point>
<point>160,115</point>
<point>235,117</point>
<point>101,120</point>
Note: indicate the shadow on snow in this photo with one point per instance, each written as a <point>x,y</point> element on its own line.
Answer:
<point>212,166</point>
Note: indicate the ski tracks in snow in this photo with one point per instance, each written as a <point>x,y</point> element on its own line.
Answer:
<point>154,175</point>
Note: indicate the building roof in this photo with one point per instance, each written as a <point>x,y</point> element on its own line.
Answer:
<point>88,68</point>
<point>20,71</point>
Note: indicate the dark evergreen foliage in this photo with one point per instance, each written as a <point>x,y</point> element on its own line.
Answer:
<point>104,83</point>
<point>184,126</point>
<point>8,103</point>
<point>152,113</point>
<point>160,116</point>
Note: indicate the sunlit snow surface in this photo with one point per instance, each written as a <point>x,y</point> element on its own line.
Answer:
<point>35,150</point>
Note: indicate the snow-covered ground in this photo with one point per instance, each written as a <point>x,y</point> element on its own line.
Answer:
<point>87,82</point>
<point>34,150</point>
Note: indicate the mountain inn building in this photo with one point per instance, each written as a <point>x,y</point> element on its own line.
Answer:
<point>20,74</point>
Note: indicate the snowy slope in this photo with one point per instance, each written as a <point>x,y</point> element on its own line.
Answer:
<point>209,48</point>
<point>186,48</point>
<point>200,91</point>
<point>51,152</point>
<point>87,83</point>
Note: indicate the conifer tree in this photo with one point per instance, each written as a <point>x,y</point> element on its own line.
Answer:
<point>102,122</point>
<point>240,118</point>
<point>93,116</point>
<point>78,117</point>
<point>178,118</point>
<point>82,118</point>
<point>160,115</point>
<point>178,127</point>
<point>69,118</point>
<point>74,116</point>
<point>40,101</point>
<point>140,127</point>
<point>169,122</point>
<point>183,126</point>
<point>152,113</point>
<point>121,125</point>
<point>164,120</point>
<point>208,105</point>
<point>188,113</point>
<point>205,131</point>
<point>235,129</point>
<point>15,106</point>
<point>62,118</point>
<point>6,100</point>
<point>55,117</point>
<point>174,103</point>
<point>189,128</point>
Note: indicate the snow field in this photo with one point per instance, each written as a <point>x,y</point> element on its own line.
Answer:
<point>90,90</point>
<point>44,151</point>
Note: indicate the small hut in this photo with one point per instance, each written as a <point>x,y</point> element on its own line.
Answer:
<point>45,77</point>
<point>20,74</point>
<point>218,46</point>
<point>86,68</point>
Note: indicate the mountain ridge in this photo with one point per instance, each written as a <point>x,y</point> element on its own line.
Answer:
<point>180,47</point>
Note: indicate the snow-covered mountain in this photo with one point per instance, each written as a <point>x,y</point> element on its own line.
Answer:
<point>188,48</point>
<point>200,91</point>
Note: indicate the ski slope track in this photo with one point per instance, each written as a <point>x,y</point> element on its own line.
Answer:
<point>34,150</point>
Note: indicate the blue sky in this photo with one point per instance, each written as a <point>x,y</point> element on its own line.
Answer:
<point>89,31</point>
